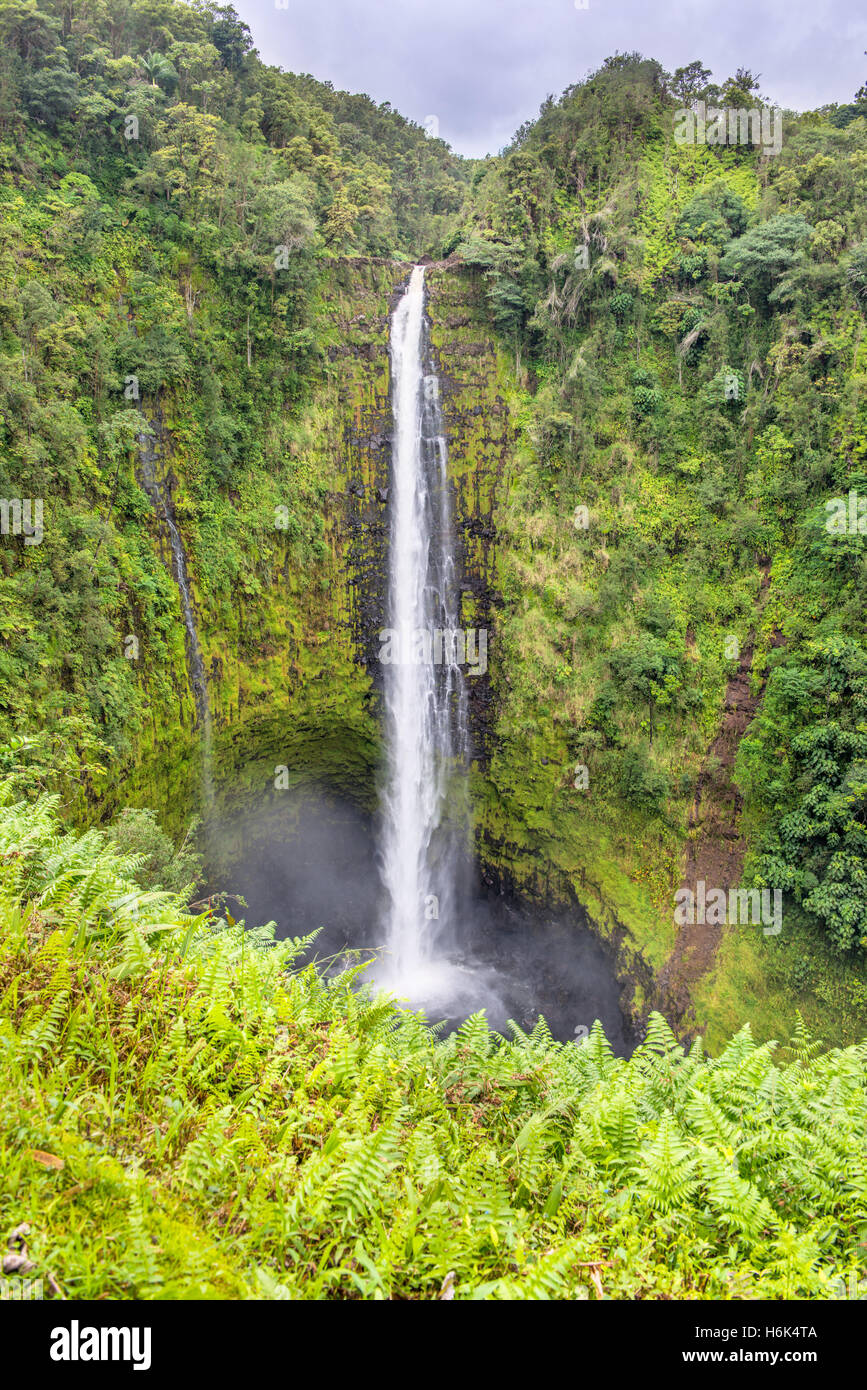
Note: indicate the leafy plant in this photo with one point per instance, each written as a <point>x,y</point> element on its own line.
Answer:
<point>183,1111</point>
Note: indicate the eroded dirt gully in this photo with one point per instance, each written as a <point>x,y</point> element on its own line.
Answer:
<point>716,847</point>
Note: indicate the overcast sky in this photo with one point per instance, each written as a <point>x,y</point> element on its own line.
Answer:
<point>482,67</point>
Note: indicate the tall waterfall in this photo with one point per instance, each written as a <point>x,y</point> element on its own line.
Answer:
<point>425,796</point>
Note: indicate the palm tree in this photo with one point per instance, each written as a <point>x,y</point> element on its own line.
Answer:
<point>156,65</point>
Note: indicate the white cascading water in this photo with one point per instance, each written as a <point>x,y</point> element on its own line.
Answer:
<point>425,695</point>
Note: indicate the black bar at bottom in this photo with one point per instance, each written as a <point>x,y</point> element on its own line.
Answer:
<point>55,1340</point>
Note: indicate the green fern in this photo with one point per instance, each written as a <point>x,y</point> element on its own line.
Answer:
<point>302,1135</point>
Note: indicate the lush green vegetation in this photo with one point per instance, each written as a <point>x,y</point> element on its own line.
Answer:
<point>170,287</point>
<point>196,257</point>
<point>182,1115</point>
<point>687,325</point>
<point>697,388</point>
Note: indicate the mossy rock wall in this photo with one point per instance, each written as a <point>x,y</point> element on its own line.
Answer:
<point>288,665</point>
<point>480,432</point>
<point>533,836</point>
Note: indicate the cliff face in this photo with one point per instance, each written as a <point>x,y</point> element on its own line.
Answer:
<point>292,669</point>
<point>474,382</point>
<point>291,657</point>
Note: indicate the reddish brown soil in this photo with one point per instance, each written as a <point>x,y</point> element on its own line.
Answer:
<point>716,847</point>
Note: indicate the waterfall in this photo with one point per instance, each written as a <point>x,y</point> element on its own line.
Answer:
<point>425,802</point>
<point>195,661</point>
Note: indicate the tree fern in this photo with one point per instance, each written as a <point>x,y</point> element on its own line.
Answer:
<point>301,1126</point>
<point>547,1278</point>
<point>734,1201</point>
<point>365,1170</point>
<point>665,1172</point>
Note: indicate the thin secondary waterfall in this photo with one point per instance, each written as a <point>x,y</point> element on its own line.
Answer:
<point>424,803</point>
<point>196,665</point>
